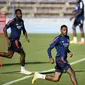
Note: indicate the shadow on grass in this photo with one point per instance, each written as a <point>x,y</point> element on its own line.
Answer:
<point>38,62</point>
<point>51,72</point>
<point>10,72</point>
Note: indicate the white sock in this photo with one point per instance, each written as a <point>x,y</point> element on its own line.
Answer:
<point>75,38</point>
<point>82,39</point>
<point>41,76</point>
<point>22,68</point>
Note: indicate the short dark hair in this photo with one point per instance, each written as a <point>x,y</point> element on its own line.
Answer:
<point>18,10</point>
<point>64,26</point>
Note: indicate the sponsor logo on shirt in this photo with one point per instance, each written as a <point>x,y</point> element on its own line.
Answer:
<point>65,44</point>
<point>18,27</point>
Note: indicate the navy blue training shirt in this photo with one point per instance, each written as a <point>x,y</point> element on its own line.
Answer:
<point>16,27</point>
<point>80,6</point>
<point>61,44</point>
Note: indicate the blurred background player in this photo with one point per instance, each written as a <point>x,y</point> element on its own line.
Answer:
<point>78,14</point>
<point>16,25</point>
<point>61,43</point>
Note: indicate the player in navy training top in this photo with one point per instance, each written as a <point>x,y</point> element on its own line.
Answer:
<point>16,25</point>
<point>61,44</point>
<point>78,14</point>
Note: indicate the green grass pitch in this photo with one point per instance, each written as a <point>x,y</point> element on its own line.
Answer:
<point>37,60</point>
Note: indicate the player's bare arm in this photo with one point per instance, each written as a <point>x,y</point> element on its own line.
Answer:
<point>73,15</point>
<point>26,36</point>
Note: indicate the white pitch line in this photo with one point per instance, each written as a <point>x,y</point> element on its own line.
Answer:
<point>78,61</point>
<point>23,78</point>
<point>17,80</point>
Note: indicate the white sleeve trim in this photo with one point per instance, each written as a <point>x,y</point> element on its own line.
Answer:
<point>81,5</point>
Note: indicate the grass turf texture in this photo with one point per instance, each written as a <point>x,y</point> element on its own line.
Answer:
<point>37,60</point>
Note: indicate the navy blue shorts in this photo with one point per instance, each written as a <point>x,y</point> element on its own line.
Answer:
<point>78,23</point>
<point>61,66</point>
<point>15,46</point>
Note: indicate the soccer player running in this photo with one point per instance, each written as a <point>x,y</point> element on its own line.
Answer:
<point>78,14</point>
<point>61,44</point>
<point>16,25</point>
